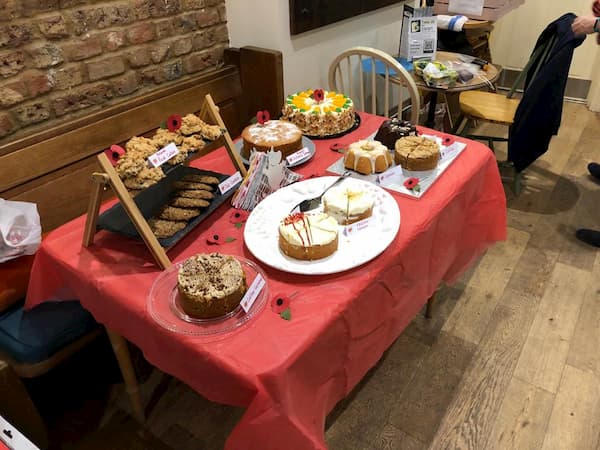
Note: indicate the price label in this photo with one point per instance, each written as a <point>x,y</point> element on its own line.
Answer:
<point>230,182</point>
<point>252,292</point>
<point>392,172</point>
<point>163,155</point>
<point>359,226</point>
<point>451,150</point>
<point>298,156</point>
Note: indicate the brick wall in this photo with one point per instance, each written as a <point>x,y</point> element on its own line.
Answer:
<point>64,58</point>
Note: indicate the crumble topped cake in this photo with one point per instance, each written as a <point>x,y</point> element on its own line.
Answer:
<point>417,153</point>
<point>210,285</point>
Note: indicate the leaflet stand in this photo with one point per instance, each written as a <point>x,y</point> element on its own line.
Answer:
<point>109,177</point>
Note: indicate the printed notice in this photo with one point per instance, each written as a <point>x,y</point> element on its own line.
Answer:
<point>298,156</point>
<point>422,38</point>
<point>393,172</point>
<point>163,155</point>
<point>230,182</point>
<point>466,7</point>
<point>359,226</point>
<point>252,293</point>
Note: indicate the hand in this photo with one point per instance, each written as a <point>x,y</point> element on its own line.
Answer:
<point>583,25</point>
<point>596,8</point>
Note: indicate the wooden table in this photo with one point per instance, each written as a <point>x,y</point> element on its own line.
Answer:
<point>484,79</point>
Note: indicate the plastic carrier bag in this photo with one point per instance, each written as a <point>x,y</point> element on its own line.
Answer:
<point>20,230</point>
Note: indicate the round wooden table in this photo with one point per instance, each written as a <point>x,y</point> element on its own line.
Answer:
<point>484,78</point>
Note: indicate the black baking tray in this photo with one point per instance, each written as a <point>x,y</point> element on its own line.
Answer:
<point>152,199</point>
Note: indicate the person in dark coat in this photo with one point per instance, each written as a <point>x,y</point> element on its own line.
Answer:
<point>587,25</point>
<point>539,112</point>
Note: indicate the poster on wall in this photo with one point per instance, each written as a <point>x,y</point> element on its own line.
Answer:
<point>466,7</point>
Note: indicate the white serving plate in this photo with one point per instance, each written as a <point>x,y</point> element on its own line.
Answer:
<point>261,231</point>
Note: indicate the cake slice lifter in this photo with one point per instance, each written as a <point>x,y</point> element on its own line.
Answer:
<point>313,203</point>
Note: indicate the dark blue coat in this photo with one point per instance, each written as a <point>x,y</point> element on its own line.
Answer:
<point>538,115</point>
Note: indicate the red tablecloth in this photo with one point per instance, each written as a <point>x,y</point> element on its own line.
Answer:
<point>289,374</point>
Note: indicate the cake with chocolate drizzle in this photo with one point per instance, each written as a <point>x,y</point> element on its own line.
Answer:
<point>210,285</point>
<point>308,236</point>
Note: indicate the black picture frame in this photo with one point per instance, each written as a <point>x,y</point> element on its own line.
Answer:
<point>306,15</point>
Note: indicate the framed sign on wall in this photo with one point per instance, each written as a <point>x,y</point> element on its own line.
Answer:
<point>306,15</point>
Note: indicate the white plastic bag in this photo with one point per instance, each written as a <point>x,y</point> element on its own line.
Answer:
<point>20,230</point>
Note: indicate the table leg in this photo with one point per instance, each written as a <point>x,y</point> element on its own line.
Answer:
<point>431,110</point>
<point>119,345</point>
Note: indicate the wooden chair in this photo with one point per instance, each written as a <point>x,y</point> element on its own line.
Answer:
<point>481,106</point>
<point>32,343</point>
<point>362,71</point>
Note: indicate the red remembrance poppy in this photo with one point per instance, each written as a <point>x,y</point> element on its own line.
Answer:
<point>114,153</point>
<point>448,141</point>
<point>411,183</point>
<point>238,216</point>
<point>214,239</point>
<point>263,116</point>
<point>318,95</point>
<point>279,303</point>
<point>336,147</point>
<point>174,123</point>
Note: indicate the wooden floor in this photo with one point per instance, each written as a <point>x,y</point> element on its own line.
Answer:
<point>511,359</point>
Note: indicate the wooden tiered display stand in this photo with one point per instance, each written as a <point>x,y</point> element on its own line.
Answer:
<point>109,178</point>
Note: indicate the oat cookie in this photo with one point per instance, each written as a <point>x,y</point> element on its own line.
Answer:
<point>140,147</point>
<point>196,193</point>
<point>146,178</point>
<point>206,179</point>
<point>173,213</point>
<point>128,167</point>
<point>193,143</point>
<point>211,132</point>
<point>191,124</point>
<point>182,202</point>
<point>166,228</point>
<point>192,185</point>
<point>164,137</point>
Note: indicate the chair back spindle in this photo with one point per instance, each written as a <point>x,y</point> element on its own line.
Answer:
<point>369,71</point>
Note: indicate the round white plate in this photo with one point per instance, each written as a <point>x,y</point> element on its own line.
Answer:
<point>306,142</point>
<point>261,231</point>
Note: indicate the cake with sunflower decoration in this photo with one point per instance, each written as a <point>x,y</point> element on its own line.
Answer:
<point>318,112</point>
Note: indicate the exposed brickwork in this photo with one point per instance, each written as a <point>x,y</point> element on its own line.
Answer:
<point>11,63</point>
<point>7,126</point>
<point>60,58</point>
<point>53,27</point>
<point>105,68</point>
<point>45,55</point>
<point>12,93</point>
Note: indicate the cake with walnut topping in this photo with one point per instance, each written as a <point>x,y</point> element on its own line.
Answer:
<point>210,285</point>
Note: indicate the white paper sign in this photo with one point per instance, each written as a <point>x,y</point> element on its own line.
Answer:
<point>297,156</point>
<point>422,38</point>
<point>252,292</point>
<point>448,152</point>
<point>393,172</point>
<point>230,182</point>
<point>163,155</point>
<point>357,227</point>
<point>466,7</point>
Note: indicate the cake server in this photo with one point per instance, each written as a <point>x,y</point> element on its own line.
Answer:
<point>313,203</point>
